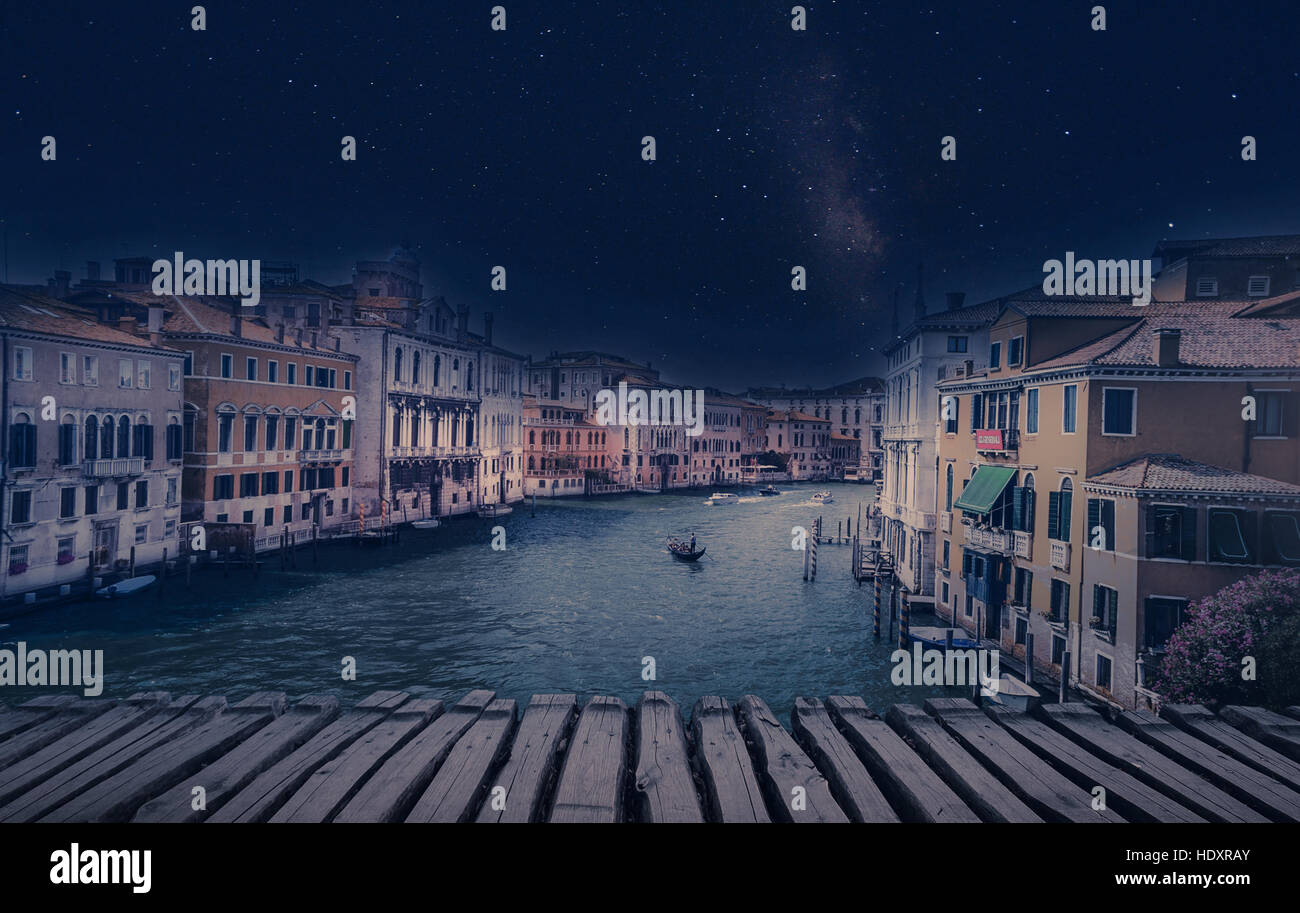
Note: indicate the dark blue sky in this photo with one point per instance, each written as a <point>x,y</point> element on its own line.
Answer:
<point>775,148</point>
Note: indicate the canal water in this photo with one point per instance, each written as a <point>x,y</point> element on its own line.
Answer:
<point>582,594</point>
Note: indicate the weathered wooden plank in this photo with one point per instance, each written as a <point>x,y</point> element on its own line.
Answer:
<point>16,719</point>
<point>120,795</point>
<point>1258,790</point>
<point>1087,727</point>
<point>851,784</point>
<point>68,718</point>
<point>1278,732</point>
<point>226,775</point>
<point>19,776</point>
<point>395,786</point>
<point>1292,711</point>
<point>260,798</point>
<point>594,775</point>
<point>458,788</point>
<point>731,789</point>
<point>794,788</point>
<point>534,759</point>
<point>976,786</point>
<point>664,789</point>
<point>911,787</point>
<point>336,781</point>
<point>1202,723</point>
<point>1133,799</point>
<point>174,721</point>
<point>1019,769</point>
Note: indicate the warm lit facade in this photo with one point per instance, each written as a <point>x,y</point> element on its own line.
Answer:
<point>855,409</point>
<point>565,450</point>
<point>733,433</point>
<point>805,442</point>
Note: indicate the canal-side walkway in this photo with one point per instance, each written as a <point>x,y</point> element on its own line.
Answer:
<point>391,757</point>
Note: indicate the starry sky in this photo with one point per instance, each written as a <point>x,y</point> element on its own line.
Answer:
<point>775,148</point>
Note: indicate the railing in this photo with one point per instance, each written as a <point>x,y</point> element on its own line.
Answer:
<point>317,456</point>
<point>1061,555</point>
<point>993,540</point>
<point>123,466</point>
<point>1024,544</point>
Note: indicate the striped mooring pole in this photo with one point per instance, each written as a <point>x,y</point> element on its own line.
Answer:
<point>875,613</point>
<point>904,624</point>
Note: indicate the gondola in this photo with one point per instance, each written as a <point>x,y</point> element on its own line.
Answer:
<point>682,550</point>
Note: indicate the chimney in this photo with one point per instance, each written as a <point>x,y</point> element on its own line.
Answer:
<point>92,270</point>
<point>956,300</point>
<point>297,336</point>
<point>462,323</point>
<point>1166,346</point>
<point>487,328</point>
<point>236,321</point>
<point>155,324</point>
<point>126,324</point>
<point>279,332</point>
<point>58,286</point>
<point>970,367</point>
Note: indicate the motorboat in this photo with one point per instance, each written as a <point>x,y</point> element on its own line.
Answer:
<point>769,491</point>
<point>1013,694</point>
<point>723,497</point>
<point>125,587</point>
<point>823,497</point>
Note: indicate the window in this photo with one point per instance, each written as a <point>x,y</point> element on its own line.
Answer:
<point>223,487</point>
<point>189,364</point>
<point>1031,411</point>
<point>92,500</point>
<point>288,513</point>
<point>268,516</point>
<point>67,549</point>
<point>143,375</point>
<point>1231,535</point>
<point>957,343</point>
<point>946,553</point>
<point>271,483</point>
<point>291,373</point>
<point>288,481</point>
<point>1101,516</point>
<point>1024,587</point>
<point>950,406</point>
<point>309,376</point>
<point>995,356</point>
<point>1119,411</point>
<point>68,441</point>
<point>1270,406</point>
<point>1060,601</point>
<point>250,369</point>
<point>67,503</point>
<point>1282,537</point>
<point>123,495</point>
<point>1105,609</point>
<point>90,370</point>
<point>227,365</point>
<point>142,534</point>
<point>1257,286</point>
<point>20,506</point>
<point>1171,532</point>
<point>175,440</point>
<point>1069,405</point>
<point>67,368</point>
<point>272,431</point>
<point>272,373</point>
<point>225,431</point>
<point>1022,628</point>
<point>1160,619</point>
<point>17,559</point>
<point>976,411</point>
<point>248,485</point>
<point>22,363</point>
<point>1103,672</point>
<point>171,491</point>
<point>1058,512</point>
<point>173,377</point>
<point>290,429</point>
<point>948,488</point>
<point>347,380</point>
<point>125,372</point>
<point>22,442</point>
<point>250,432</point>
<point>141,495</point>
<point>1207,287</point>
<point>1015,351</point>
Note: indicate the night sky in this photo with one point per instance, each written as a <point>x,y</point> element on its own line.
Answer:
<point>775,148</point>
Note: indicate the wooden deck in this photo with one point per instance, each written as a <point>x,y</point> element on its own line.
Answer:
<point>392,757</point>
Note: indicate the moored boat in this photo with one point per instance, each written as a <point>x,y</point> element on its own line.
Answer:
<point>430,523</point>
<point>938,637</point>
<point>125,587</point>
<point>1013,694</point>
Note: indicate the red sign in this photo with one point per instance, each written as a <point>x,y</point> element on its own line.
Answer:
<point>988,439</point>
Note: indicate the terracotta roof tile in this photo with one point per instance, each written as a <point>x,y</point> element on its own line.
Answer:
<point>1170,472</point>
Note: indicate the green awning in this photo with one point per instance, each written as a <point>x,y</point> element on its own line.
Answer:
<point>984,488</point>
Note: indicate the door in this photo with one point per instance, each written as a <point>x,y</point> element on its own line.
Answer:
<point>105,545</point>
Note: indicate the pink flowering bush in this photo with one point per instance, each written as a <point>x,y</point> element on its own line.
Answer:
<point>1259,617</point>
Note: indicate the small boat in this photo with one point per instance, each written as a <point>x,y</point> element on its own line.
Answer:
<point>1013,694</point>
<point>823,497</point>
<point>769,491</point>
<point>938,637</point>
<point>682,550</point>
<point>722,497</point>
<point>125,587</point>
<point>430,523</point>
<point>492,511</point>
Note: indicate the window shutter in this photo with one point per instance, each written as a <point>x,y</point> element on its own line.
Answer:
<point>1094,520</point>
<point>1067,498</point>
<point>1053,514</point>
<point>1108,523</point>
<point>1018,508</point>
<point>976,409</point>
<point>1097,596</point>
<point>1189,534</point>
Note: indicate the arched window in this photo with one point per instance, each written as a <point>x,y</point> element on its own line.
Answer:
<point>123,436</point>
<point>397,365</point>
<point>948,499</point>
<point>415,367</point>
<point>106,438</point>
<point>532,439</point>
<point>469,375</point>
<point>68,441</point>
<point>90,443</point>
<point>437,369</point>
<point>1027,512</point>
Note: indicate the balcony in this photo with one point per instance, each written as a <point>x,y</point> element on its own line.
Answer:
<point>123,466</point>
<point>1024,545</point>
<point>1061,555</point>
<point>997,440</point>
<point>999,541</point>
<point>945,521</point>
<point>319,456</point>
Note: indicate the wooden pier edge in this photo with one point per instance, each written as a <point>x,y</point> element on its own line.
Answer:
<point>391,758</point>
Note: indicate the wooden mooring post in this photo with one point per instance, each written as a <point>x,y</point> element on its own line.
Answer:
<point>1065,676</point>
<point>1029,657</point>
<point>904,625</point>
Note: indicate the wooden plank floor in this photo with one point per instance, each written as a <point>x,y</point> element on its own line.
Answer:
<point>393,758</point>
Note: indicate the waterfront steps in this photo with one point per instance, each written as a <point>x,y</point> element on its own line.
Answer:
<point>396,758</point>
